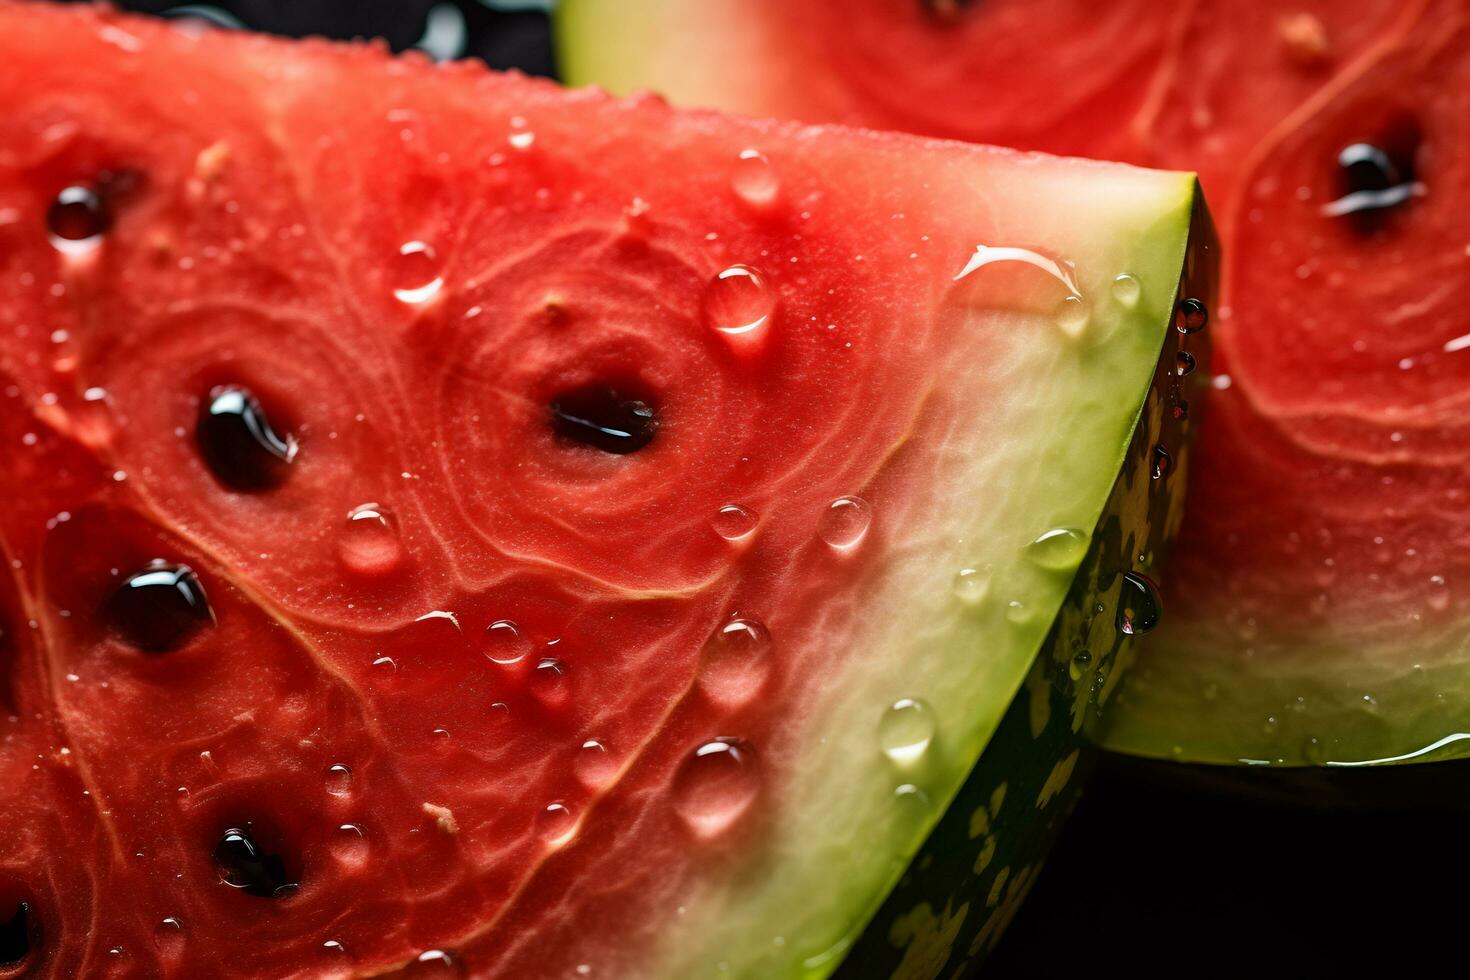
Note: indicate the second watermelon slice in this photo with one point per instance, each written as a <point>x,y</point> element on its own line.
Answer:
<point>455,524</point>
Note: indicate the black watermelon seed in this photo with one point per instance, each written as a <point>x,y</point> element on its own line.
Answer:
<point>15,936</point>
<point>1366,167</point>
<point>77,215</point>
<point>1191,316</point>
<point>601,417</point>
<point>243,865</point>
<point>160,608</point>
<point>238,443</point>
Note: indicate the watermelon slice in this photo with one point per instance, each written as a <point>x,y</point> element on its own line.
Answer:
<point>451,523</point>
<point>1320,613</point>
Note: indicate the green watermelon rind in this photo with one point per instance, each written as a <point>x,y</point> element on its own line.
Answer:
<point>974,870</point>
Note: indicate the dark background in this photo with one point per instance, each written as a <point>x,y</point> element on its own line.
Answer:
<point>1163,871</point>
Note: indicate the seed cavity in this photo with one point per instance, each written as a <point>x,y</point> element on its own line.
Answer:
<point>238,442</point>
<point>602,417</point>
<point>244,865</point>
<point>15,935</point>
<point>160,608</point>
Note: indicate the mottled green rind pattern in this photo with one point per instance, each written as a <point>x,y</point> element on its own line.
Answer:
<point>969,879</point>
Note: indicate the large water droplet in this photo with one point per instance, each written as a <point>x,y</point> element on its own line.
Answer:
<point>1127,290</point>
<point>76,220</point>
<point>160,608</point>
<point>1438,598</point>
<point>504,643</point>
<point>416,276</point>
<point>238,442</point>
<point>738,302</point>
<point>734,522</point>
<point>1059,549</point>
<point>1191,316</point>
<point>905,731</point>
<point>338,780</point>
<point>715,786</point>
<point>594,765</point>
<point>1139,606</point>
<point>971,585</point>
<point>845,523</point>
<point>754,180</point>
<point>735,661</point>
<point>555,824</point>
<point>349,844</point>
<point>369,545</point>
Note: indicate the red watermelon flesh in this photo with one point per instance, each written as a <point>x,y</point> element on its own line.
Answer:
<point>451,523</point>
<point>1319,612</point>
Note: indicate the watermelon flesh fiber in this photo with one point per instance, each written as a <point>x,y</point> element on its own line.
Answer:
<point>1318,612</point>
<point>439,687</point>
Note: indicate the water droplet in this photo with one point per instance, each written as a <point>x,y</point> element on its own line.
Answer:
<point>549,682</point>
<point>504,643</point>
<point>734,522</point>
<point>1059,549</point>
<point>594,765</point>
<point>160,608</point>
<point>906,730</point>
<point>715,786</point>
<point>1314,751</point>
<point>168,938</point>
<point>1072,316</point>
<point>1191,316</point>
<point>555,824</point>
<point>522,139</point>
<point>76,220</point>
<point>416,277</point>
<point>239,444</point>
<point>910,804</point>
<point>349,844</point>
<point>370,545</point>
<point>845,523</point>
<point>1439,594</point>
<point>1127,290</point>
<point>1184,363</point>
<point>1017,612</point>
<point>602,417</point>
<point>384,669</point>
<point>338,780</point>
<point>1180,409</point>
<point>1162,462</point>
<point>334,948</point>
<point>1139,606</point>
<point>971,586</point>
<point>754,179</point>
<point>438,961</point>
<point>738,302</point>
<point>1079,665</point>
<point>735,661</point>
